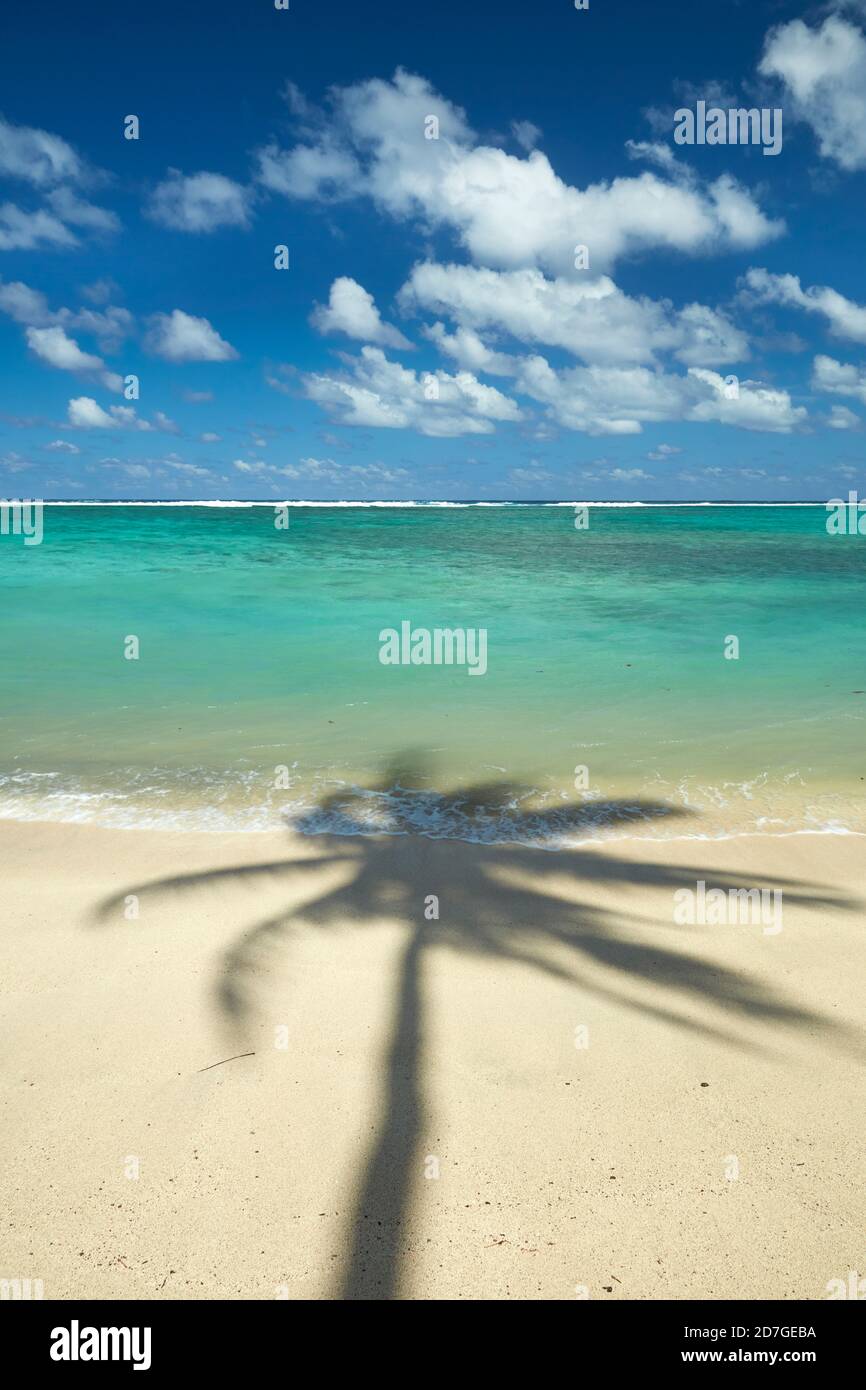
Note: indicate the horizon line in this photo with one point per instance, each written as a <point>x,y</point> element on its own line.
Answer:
<point>414,502</point>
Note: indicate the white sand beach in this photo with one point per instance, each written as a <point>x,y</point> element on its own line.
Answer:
<point>552,1091</point>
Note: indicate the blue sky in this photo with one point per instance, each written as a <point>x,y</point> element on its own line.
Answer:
<point>435,335</point>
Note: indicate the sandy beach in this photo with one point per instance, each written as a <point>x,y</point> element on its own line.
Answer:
<point>553,1091</point>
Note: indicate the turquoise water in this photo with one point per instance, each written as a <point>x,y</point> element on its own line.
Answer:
<point>259,650</point>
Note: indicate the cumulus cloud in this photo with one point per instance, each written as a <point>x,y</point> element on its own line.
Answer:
<point>507,210</point>
<point>468,350</point>
<point>838,378</point>
<point>36,156</point>
<point>599,399</point>
<point>607,400</point>
<point>590,318</point>
<point>199,202</point>
<point>374,391</point>
<point>823,71</point>
<point>322,171</point>
<point>110,326</point>
<point>180,337</point>
<point>86,414</point>
<point>841,418</point>
<point>53,346</point>
<point>352,310</point>
<point>47,337</point>
<point>845,318</point>
<point>754,406</point>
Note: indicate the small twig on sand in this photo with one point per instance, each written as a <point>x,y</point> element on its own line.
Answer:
<point>226,1059</point>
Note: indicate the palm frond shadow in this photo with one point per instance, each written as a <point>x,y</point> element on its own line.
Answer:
<point>391,869</point>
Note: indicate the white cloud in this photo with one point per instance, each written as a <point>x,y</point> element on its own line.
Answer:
<point>754,407</point>
<point>526,134</point>
<point>841,418</point>
<point>85,413</point>
<point>179,465</point>
<point>628,475</point>
<point>597,399</point>
<point>255,466</point>
<point>199,202</point>
<point>824,74</point>
<point>137,472</point>
<point>352,310</point>
<point>606,400</point>
<point>364,475</point>
<point>374,391</point>
<point>322,171</point>
<point>519,476</point>
<point>24,304</point>
<point>327,473</point>
<point>70,207</point>
<point>36,156</point>
<point>63,446</point>
<point>28,231</point>
<point>468,350</point>
<point>508,211</point>
<point>50,165</point>
<point>589,317</point>
<point>180,337</point>
<point>845,318</point>
<point>663,451</point>
<point>654,152</point>
<point>54,347</point>
<point>838,378</point>
<point>162,422</point>
<point>13,463</point>
<point>165,468</point>
<point>99,291</point>
<point>110,326</point>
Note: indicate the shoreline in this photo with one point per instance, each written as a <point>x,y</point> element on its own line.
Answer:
<point>417,1119</point>
<point>511,811</point>
<point>594,842</point>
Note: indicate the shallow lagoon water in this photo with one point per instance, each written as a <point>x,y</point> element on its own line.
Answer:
<point>259,696</point>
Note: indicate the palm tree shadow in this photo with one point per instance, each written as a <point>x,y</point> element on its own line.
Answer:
<point>393,870</point>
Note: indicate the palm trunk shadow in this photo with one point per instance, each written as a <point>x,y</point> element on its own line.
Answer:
<point>372,1270</point>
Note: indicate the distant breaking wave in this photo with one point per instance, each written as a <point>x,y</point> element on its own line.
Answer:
<point>290,502</point>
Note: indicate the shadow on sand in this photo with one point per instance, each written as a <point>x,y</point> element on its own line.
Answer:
<point>486,915</point>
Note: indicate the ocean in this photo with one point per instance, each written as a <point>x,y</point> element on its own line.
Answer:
<point>613,701</point>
